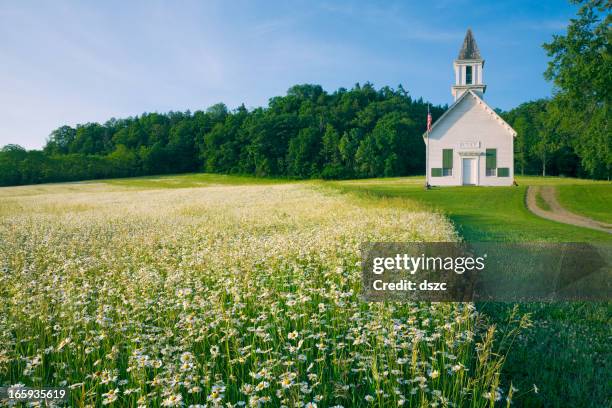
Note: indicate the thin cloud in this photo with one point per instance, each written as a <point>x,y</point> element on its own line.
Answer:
<point>543,25</point>
<point>68,63</point>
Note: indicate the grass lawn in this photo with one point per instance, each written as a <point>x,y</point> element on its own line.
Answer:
<point>594,201</point>
<point>566,353</point>
<point>482,213</point>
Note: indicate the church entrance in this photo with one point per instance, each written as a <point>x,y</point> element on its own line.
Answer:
<point>469,171</point>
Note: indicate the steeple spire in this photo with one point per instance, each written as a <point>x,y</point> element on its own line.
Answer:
<point>469,49</point>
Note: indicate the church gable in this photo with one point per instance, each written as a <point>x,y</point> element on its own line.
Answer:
<point>469,111</point>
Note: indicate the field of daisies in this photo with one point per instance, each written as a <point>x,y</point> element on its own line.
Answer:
<point>225,295</point>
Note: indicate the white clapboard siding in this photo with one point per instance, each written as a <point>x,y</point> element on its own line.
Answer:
<point>470,127</point>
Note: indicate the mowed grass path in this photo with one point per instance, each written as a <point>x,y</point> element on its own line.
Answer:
<point>487,213</point>
<point>593,201</point>
<point>566,354</point>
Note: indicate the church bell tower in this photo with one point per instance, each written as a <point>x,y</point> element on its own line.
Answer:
<point>468,69</point>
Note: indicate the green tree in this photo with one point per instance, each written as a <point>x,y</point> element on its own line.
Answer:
<point>521,127</point>
<point>581,70</point>
<point>60,140</point>
<point>302,153</point>
<point>124,161</point>
<point>10,158</point>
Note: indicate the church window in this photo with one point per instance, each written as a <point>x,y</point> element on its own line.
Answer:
<point>447,162</point>
<point>491,162</point>
<point>468,75</point>
<point>503,172</point>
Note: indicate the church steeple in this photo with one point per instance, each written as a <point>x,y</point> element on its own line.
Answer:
<point>468,68</point>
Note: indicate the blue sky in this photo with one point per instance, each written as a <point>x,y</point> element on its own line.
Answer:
<point>76,62</point>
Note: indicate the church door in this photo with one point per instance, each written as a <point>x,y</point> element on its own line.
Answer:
<point>469,171</point>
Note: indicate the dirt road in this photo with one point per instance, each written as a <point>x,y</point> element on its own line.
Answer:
<point>557,212</point>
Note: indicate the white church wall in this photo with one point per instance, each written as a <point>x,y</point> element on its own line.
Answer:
<point>466,126</point>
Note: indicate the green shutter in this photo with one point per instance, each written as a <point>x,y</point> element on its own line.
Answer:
<point>503,172</point>
<point>447,158</point>
<point>491,158</point>
<point>436,172</point>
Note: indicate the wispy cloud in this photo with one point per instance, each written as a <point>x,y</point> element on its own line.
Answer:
<point>401,19</point>
<point>543,25</point>
<point>68,63</point>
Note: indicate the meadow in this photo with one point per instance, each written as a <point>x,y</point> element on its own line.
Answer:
<point>219,291</point>
<point>565,353</point>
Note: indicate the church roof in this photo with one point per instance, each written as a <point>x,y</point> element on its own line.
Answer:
<point>480,103</point>
<point>469,49</point>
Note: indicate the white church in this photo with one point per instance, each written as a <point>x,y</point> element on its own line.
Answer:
<point>470,144</point>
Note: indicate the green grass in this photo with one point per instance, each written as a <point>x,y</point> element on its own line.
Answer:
<point>479,213</point>
<point>594,201</point>
<point>557,181</point>
<point>566,351</point>
<point>540,202</point>
<point>188,181</point>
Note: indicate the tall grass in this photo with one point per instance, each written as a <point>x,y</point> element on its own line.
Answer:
<point>239,295</point>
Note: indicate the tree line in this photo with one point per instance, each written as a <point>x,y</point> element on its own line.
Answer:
<point>308,133</point>
<point>360,132</point>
